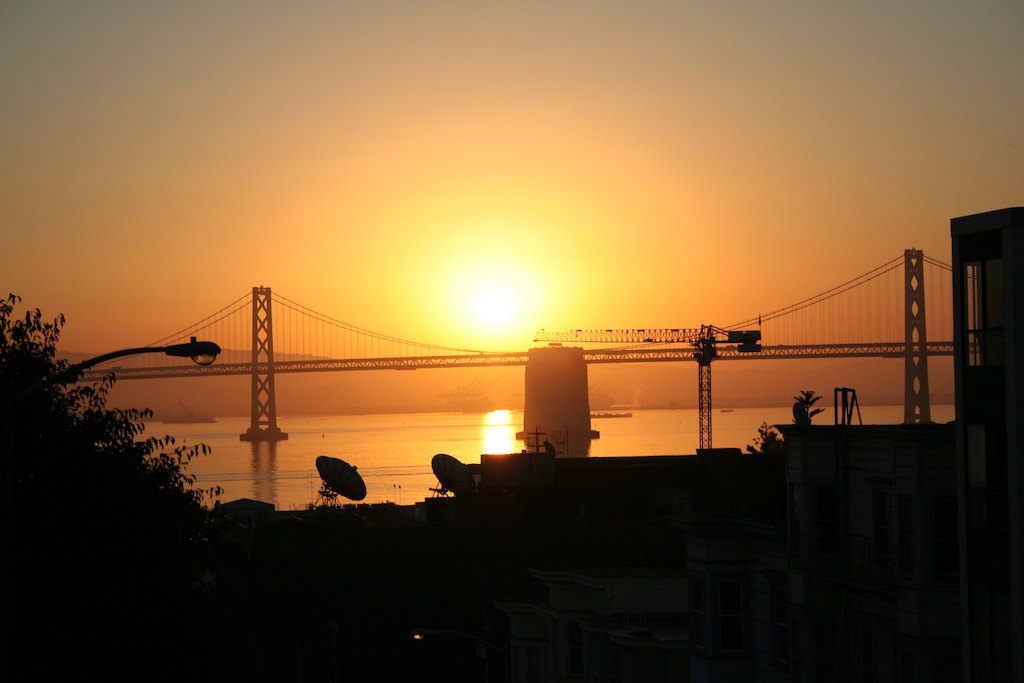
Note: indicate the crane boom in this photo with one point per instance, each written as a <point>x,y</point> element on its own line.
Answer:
<point>648,336</point>
<point>704,339</point>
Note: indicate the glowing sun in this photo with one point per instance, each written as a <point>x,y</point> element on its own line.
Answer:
<point>496,305</point>
<point>491,299</point>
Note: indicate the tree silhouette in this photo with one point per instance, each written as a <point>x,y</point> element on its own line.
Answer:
<point>803,410</point>
<point>767,442</point>
<point>763,476</point>
<point>104,537</point>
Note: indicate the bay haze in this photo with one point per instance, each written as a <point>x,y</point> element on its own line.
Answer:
<point>464,174</point>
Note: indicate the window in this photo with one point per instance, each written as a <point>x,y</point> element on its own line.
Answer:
<point>947,671</point>
<point>880,516</point>
<point>867,659</point>
<point>828,519</point>
<point>730,615</point>
<point>988,500</point>
<point>983,312</point>
<point>991,642</point>
<point>796,663</point>
<point>977,468</point>
<point>575,646</point>
<point>822,635</point>
<point>908,667</point>
<point>905,514</point>
<point>780,623</point>
<point>528,664</point>
<point>945,543</point>
<point>567,650</point>
<point>794,517</point>
<point>698,612</point>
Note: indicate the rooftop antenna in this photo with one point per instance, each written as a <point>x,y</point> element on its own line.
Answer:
<point>844,415</point>
<point>340,479</point>
<point>452,474</point>
<point>535,446</point>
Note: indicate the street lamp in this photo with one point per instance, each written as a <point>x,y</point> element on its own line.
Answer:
<point>201,352</point>
<point>482,645</point>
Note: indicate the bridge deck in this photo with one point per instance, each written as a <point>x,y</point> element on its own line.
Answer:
<point>595,356</point>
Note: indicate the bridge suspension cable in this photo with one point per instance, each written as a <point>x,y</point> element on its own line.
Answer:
<point>239,305</point>
<point>868,308</point>
<point>823,296</point>
<point>938,264</point>
<point>344,327</point>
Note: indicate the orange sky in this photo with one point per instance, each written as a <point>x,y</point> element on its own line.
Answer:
<point>598,164</point>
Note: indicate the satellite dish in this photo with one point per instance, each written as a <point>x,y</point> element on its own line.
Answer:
<point>341,478</point>
<point>450,473</point>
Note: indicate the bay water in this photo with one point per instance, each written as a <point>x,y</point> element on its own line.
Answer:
<point>393,453</point>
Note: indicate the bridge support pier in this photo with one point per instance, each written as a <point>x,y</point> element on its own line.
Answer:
<point>916,397</point>
<point>264,404</point>
<point>557,404</point>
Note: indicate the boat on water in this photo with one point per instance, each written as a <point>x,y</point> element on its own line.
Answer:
<point>188,416</point>
<point>594,416</point>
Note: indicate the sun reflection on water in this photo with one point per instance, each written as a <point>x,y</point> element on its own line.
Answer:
<point>497,432</point>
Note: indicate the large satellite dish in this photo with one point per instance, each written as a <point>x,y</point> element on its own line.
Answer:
<point>340,478</point>
<point>450,473</point>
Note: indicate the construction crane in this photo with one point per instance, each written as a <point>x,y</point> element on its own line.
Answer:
<point>705,340</point>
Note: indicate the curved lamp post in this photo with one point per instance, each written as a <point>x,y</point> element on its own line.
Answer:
<point>201,352</point>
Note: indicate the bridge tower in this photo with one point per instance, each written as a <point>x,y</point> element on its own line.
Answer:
<point>557,406</point>
<point>916,400</point>
<point>264,405</point>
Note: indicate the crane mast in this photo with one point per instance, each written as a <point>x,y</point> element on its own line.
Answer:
<point>704,339</point>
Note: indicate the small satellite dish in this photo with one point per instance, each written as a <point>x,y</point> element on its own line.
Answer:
<point>450,473</point>
<point>341,478</point>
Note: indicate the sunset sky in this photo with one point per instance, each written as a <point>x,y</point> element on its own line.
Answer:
<point>577,164</point>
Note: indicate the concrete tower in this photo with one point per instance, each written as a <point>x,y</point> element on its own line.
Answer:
<point>557,403</point>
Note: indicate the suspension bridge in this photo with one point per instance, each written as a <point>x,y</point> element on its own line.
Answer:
<point>879,314</point>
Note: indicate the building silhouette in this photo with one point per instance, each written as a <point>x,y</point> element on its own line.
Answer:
<point>873,578</point>
<point>988,300</point>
